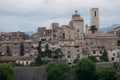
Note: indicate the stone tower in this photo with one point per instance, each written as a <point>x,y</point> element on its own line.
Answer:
<point>94,17</point>
<point>78,23</point>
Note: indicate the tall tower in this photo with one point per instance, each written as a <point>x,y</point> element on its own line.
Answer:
<point>94,17</point>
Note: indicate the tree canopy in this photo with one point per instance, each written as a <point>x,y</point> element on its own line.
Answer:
<point>93,28</point>
<point>85,69</point>
<point>106,73</point>
<point>6,72</point>
<point>104,56</point>
<point>58,71</point>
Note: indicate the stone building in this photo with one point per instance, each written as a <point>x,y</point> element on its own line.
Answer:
<point>94,42</point>
<point>116,32</point>
<point>42,34</point>
<point>70,38</point>
<point>94,17</point>
<point>71,52</point>
<point>10,43</point>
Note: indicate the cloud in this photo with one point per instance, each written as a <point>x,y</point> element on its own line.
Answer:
<point>25,15</point>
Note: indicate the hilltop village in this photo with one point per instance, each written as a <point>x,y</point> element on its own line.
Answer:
<point>67,42</point>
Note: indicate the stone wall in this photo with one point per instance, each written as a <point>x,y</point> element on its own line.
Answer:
<point>38,72</point>
<point>29,73</point>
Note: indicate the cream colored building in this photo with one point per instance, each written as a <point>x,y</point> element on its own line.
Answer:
<point>71,52</point>
<point>94,43</point>
<point>10,43</point>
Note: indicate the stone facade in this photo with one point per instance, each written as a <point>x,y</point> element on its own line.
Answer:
<point>10,43</point>
<point>70,38</point>
<point>94,17</point>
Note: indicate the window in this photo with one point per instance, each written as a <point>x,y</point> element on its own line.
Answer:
<point>113,54</point>
<point>76,46</point>
<point>63,35</point>
<point>93,52</point>
<point>118,54</point>
<point>27,63</point>
<point>112,59</point>
<point>68,56</point>
<point>54,35</point>
<point>95,14</point>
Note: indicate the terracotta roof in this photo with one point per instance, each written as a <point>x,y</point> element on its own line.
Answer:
<point>98,34</point>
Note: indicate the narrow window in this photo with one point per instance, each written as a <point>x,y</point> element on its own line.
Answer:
<point>95,14</point>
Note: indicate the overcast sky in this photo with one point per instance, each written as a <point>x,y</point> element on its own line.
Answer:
<point>27,15</point>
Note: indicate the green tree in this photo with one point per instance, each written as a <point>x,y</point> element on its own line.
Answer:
<point>39,48</point>
<point>57,53</point>
<point>0,53</point>
<point>6,72</point>
<point>85,69</point>
<point>21,49</point>
<point>58,71</point>
<point>93,28</point>
<point>106,73</point>
<point>104,56</point>
<point>92,58</point>
<point>38,60</point>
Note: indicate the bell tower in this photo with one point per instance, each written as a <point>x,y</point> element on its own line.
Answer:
<point>94,17</point>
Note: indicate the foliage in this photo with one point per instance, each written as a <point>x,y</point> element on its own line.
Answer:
<point>57,53</point>
<point>39,48</point>
<point>18,64</point>
<point>75,61</point>
<point>0,53</point>
<point>6,72</point>
<point>92,58</point>
<point>85,69</point>
<point>93,28</point>
<point>58,71</point>
<point>104,56</point>
<point>106,73</point>
<point>21,49</point>
<point>38,60</point>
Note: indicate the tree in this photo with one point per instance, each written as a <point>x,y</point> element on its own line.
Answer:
<point>39,48</point>
<point>47,49</point>
<point>0,53</point>
<point>6,72</point>
<point>38,60</point>
<point>8,51</point>
<point>21,49</point>
<point>58,71</point>
<point>57,53</point>
<point>92,58</point>
<point>93,28</point>
<point>85,69</point>
<point>104,56</point>
<point>106,73</point>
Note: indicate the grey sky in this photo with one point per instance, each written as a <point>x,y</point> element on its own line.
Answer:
<point>27,15</point>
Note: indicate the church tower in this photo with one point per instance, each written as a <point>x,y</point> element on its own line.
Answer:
<point>94,17</point>
<point>78,23</point>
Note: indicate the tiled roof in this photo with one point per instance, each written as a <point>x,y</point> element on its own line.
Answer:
<point>98,34</point>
